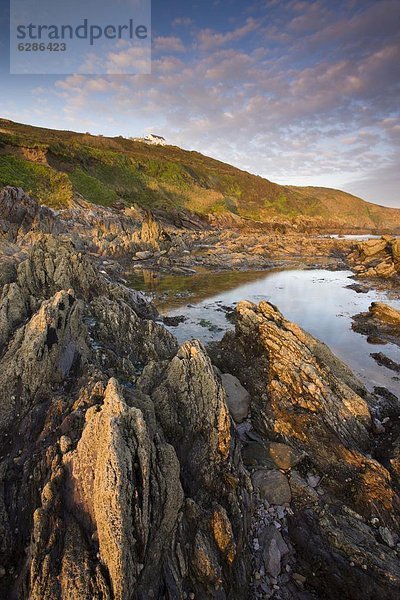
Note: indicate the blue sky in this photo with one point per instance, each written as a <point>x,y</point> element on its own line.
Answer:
<point>300,92</point>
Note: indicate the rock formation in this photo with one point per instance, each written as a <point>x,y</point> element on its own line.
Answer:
<point>113,484</point>
<point>131,469</point>
<point>377,258</point>
<point>303,396</point>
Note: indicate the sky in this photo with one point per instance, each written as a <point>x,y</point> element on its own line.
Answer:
<point>299,92</point>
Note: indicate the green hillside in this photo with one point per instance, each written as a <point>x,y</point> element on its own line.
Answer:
<point>56,166</point>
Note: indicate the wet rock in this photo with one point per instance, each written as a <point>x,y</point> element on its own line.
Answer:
<point>174,321</point>
<point>381,322</point>
<point>385,361</point>
<point>272,486</point>
<point>385,314</point>
<point>237,397</point>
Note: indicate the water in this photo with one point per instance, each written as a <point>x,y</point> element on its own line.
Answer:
<point>317,300</point>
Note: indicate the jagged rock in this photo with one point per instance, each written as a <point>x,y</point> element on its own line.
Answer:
<point>113,493</point>
<point>384,313</point>
<point>304,396</point>
<point>41,354</point>
<point>376,258</point>
<point>237,398</point>
<point>111,463</point>
<point>372,247</point>
<point>395,247</point>
<point>20,214</point>
<point>380,322</point>
<point>385,269</point>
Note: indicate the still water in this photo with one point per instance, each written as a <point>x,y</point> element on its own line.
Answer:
<point>317,300</point>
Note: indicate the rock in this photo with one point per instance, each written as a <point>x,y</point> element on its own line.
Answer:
<point>284,456</point>
<point>65,444</point>
<point>385,269</point>
<point>385,314</point>
<point>237,398</point>
<point>380,323</point>
<point>385,361</point>
<point>378,427</point>
<point>302,393</point>
<point>313,480</point>
<point>116,492</point>
<point>299,578</point>
<point>395,249</point>
<point>272,559</point>
<point>272,486</point>
<point>387,537</point>
<point>256,454</point>
<point>145,255</point>
<point>174,321</point>
<point>372,247</point>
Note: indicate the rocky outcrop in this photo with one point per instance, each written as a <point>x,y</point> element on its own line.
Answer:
<point>340,495</point>
<point>20,214</point>
<point>119,474</point>
<point>377,258</point>
<point>123,475</point>
<point>381,323</point>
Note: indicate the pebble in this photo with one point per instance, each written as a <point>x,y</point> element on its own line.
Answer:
<point>2,571</point>
<point>280,511</point>
<point>313,480</point>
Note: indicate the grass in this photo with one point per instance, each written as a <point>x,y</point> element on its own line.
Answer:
<point>106,171</point>
<point>48,186</point>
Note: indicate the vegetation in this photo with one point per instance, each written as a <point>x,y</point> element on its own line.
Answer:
<point>48,186</point>
<point>55,166</point>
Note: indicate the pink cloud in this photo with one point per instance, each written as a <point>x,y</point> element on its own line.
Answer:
<point>208,38</point>
<point>168,44</point>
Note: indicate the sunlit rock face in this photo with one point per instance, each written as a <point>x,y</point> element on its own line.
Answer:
<point>131,468</point>
<point>304,396</point>
<point>113,485</point>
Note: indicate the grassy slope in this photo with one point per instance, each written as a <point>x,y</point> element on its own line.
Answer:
<point>56,165</point>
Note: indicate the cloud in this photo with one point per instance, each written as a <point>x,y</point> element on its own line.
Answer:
<point>208,38</point>
<point>168,44</point>
<point>316,102</point>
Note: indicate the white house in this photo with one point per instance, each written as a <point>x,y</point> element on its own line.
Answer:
<point>156,140</point>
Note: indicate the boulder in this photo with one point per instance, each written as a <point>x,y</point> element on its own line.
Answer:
<point>385,314</point>
<point>272,486</point>
<point>237,397</point>
<point>372,247</point>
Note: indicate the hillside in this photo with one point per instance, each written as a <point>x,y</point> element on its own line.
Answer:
<point>58,166</point>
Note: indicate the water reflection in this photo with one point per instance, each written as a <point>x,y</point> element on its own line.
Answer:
<point>317,300</point>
